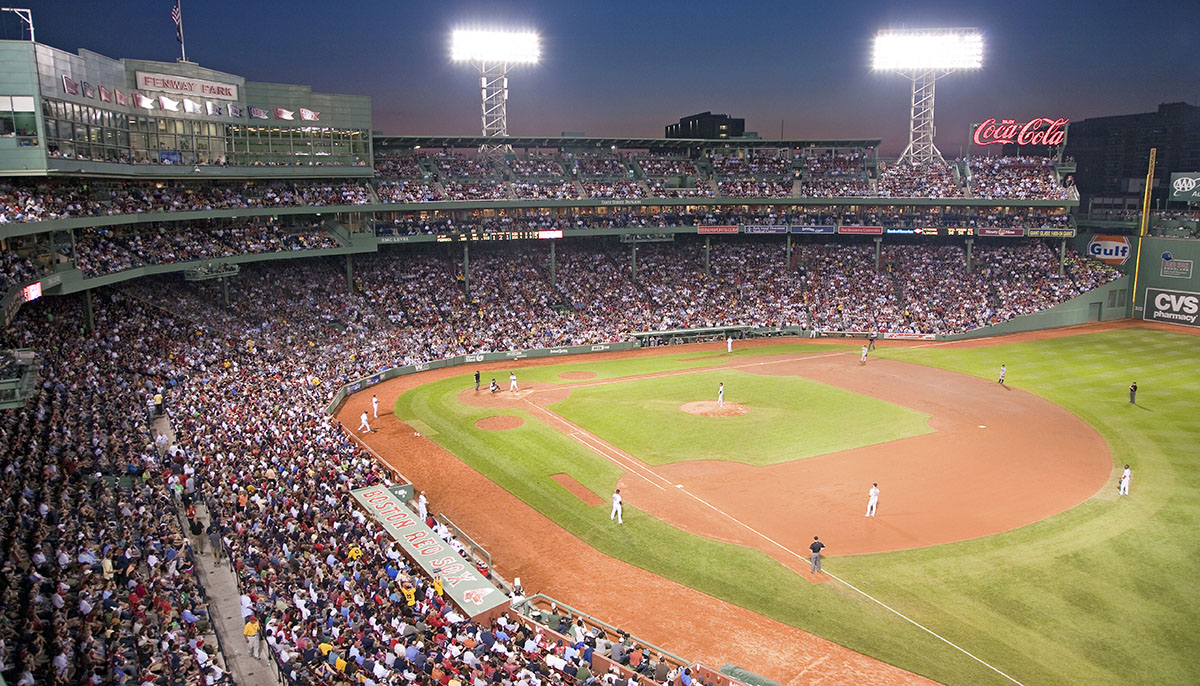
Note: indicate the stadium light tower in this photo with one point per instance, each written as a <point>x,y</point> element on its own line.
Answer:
<point>493,53</point>
<point>924,55</point>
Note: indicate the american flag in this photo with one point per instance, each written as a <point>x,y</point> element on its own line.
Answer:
<point>177,17</point>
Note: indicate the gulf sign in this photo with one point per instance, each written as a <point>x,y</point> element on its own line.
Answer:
<point>1114,250</point>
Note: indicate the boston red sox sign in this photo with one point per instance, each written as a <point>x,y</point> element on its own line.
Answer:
<point>473,594</point>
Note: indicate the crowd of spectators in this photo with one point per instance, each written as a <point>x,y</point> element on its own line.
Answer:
<point>658,189</point>
<point>755,188</point>
<point>408,191</point>
<point>453,165</point>
<point>597,167</point>
<point>529,190</point>
<point>97,584</point>
<point>536,167</point>
<point>751,164</point>
<point>615,189</point>
<point>667,166</point>
<point>404,165</point>
<point>100,251</point>
<point>475,190</point>
<point>1031,178</point>
<point>16,268</point>
<point>904,180</point>
<point>41,200</point>
<point>535,219</point>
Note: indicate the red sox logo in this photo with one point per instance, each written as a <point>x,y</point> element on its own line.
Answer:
<point>476,595</point>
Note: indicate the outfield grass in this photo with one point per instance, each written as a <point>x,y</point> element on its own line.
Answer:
<point>1103,593</point>
<point>789,418</point>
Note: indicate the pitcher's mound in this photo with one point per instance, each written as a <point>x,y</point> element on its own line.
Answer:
<point>709,408</point>
<point>499,423</point>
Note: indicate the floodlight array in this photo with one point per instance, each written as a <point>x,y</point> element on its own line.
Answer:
<point>512,47</point>
<point>950,49</point>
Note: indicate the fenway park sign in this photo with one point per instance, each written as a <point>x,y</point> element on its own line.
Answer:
<point>1037,131</point>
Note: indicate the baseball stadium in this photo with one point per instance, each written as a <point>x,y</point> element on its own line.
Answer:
<point>285,399</point>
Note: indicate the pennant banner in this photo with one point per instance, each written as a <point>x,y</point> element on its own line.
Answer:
<point>281,113</point>
<point>70,86</point>
<point>259,113</point>
<point>120,97</point>
<point>168,104</point>
<point>105,94</point>
<point>235,111</point>
<point>309,115</point>
<point>191,107</point>
<point>142,101</point>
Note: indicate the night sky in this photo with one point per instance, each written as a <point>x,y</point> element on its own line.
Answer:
<point>627,68</point>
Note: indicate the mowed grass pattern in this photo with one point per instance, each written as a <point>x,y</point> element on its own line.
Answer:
<point>788,418</point>
<point>1104,593</point>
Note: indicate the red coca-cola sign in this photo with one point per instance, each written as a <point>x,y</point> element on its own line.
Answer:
<point>1037,131</point>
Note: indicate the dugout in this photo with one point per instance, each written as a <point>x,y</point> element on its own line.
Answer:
<point>681,336</point>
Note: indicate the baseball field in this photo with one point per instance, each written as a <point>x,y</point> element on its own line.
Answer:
<point>1001,552</point>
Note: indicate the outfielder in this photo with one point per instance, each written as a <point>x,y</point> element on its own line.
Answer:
<point>616,508</point>
<point>362,423</point>
<point>512,382</point>
<point>1003,371</point>
<point>721,395</point>
<point>872,500</point>
<point>375,404</point>
<point>1123,489</point>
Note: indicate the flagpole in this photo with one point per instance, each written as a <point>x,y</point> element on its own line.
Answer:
<point>182,45</point>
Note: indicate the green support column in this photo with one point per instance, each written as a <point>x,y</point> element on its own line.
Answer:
<point>89,315</point>
<point>633,260</point>
<point>350,273</point>
<point>970,245</point>
<point>225,290</point>
<point>878,251</point>
<point>553,268</point>
<point>707,254</point>
<point>466,269</point>
<point>789,251</point>
<point>1062,257</point>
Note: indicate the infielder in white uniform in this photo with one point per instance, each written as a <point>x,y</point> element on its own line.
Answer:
<point>872,500</point>
<point>362,423</point>
<point>721,395</point>
<point>729,344</point>
<point>512,382</point>
<point>1123,489</point>
<point>1003,372</point>
<point>375,404</point>
<point>616,511</point>
<point>863,359</point>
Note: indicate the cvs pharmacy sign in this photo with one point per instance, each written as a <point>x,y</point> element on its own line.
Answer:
<point>1175,307</point>
<point>1113,250</point>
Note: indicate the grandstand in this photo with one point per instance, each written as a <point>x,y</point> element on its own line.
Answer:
<point>253,243</point>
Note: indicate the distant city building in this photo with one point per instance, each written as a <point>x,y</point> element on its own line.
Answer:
<point>707,125</point>
<point>1112,153</point>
